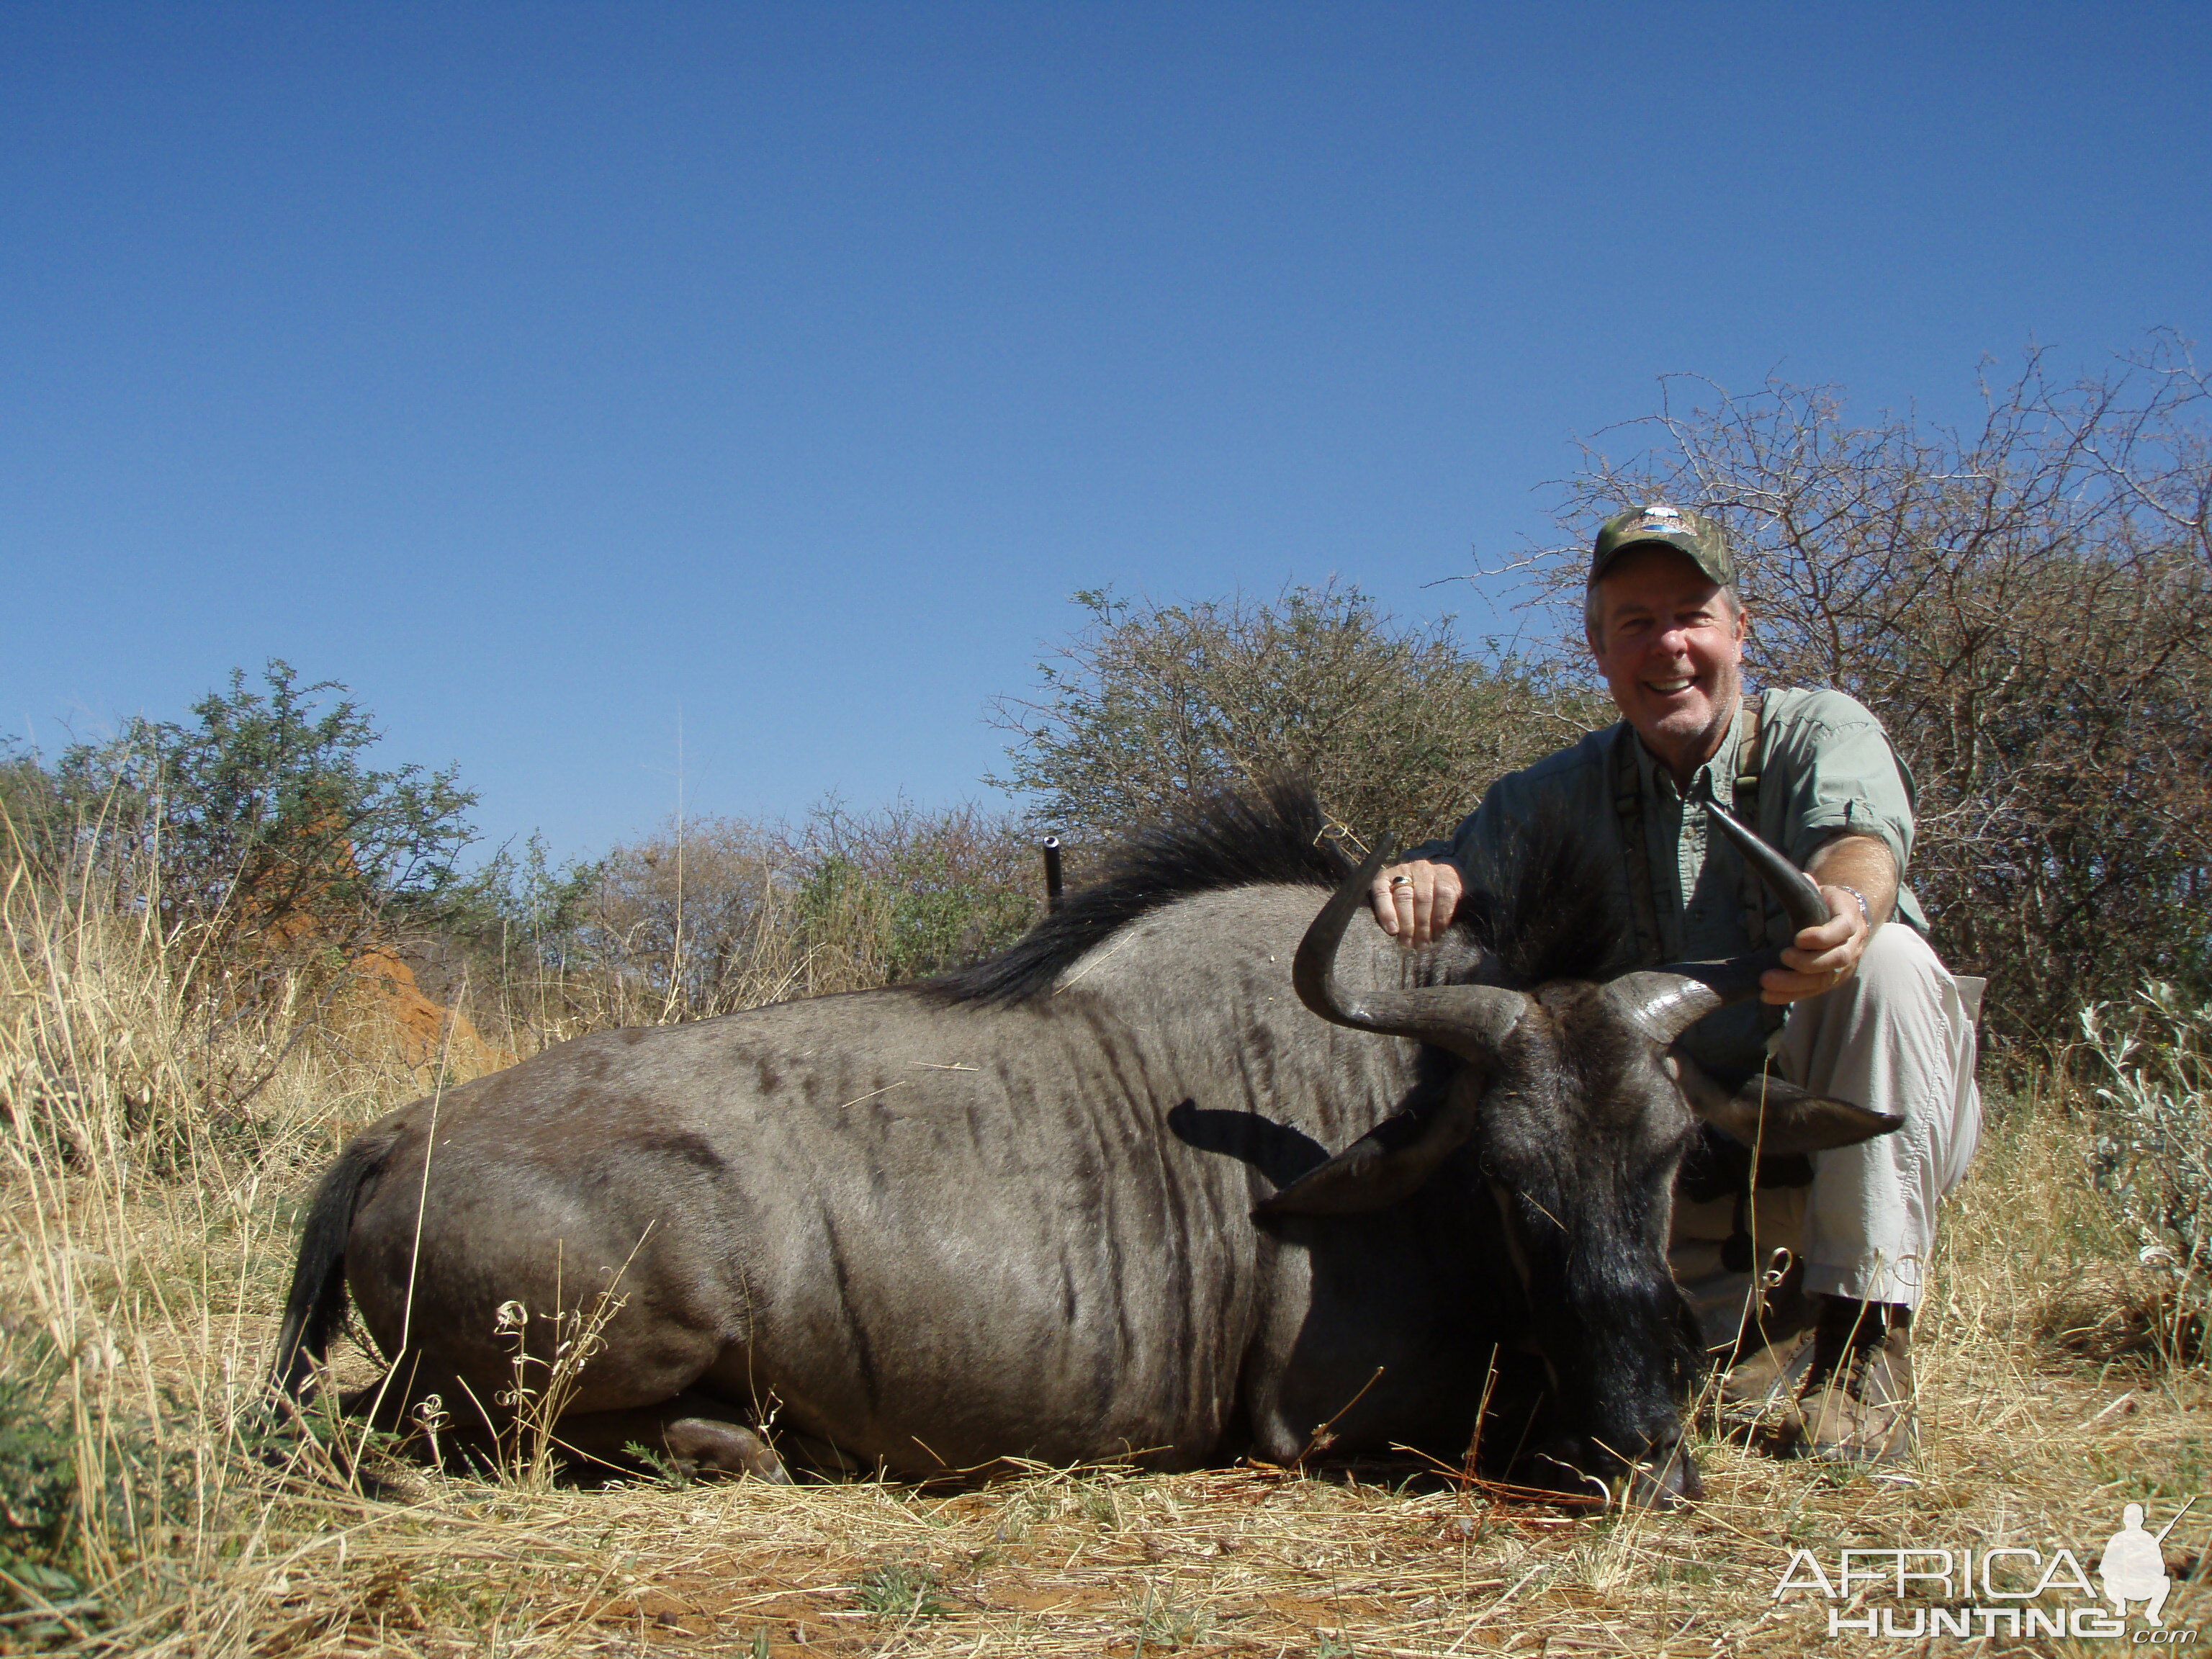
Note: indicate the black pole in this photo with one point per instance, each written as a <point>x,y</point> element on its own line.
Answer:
<point>1051,845</point>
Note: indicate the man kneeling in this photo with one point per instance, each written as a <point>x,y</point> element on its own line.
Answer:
<point>1862,1009</point>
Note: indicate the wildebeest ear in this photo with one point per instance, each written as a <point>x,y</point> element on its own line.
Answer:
<point>1386,1163</point>
<point>1774,1114</point>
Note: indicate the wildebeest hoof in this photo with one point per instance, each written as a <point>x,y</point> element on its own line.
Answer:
<point>724,1448</point>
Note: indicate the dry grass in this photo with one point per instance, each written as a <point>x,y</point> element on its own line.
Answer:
<point>146,1289</point>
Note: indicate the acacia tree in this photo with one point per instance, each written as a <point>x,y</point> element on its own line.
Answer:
<point>1148,706</point>
<point>2025,606</point>
<point>263,823</point>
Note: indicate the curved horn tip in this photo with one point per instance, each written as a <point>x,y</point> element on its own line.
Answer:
<point>1800,895</point>
<point>1313,969</point>
<point>1662,1002</point>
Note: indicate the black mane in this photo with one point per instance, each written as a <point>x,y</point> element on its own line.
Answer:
<point>1553,912</point>
<point>1227,840</point>
<point>1556,918</point>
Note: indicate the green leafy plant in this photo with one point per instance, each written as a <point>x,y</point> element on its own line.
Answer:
<point>1095,1501</point>
<point>1166,1619</point>
<point>76,1465</point>
<point>900,1590</point>
<point>672,1471</point>
<point>39,1563</point>
<point>2151,1157</point>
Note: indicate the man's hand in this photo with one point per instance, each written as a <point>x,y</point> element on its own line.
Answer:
<point>1822,957</point>
<point>1414,902</point>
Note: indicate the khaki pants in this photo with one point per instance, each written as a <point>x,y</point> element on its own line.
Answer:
<point>1899,1036</point>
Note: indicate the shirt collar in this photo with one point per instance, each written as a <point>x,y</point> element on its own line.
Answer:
<point>1717,774</point>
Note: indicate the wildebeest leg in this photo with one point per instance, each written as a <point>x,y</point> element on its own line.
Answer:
<point>692,1431</point>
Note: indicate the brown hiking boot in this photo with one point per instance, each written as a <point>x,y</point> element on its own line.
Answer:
<point>1757,1399</point>
<point>1857,1396</point>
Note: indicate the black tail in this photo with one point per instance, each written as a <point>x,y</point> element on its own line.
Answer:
<point>318,1298</point>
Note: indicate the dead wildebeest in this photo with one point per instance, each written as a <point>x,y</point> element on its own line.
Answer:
<point>1076,1203</point>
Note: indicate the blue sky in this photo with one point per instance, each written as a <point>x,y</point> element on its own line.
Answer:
<point>563,378</point>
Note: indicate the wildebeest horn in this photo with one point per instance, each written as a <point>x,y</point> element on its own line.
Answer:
<point>1470,1020</point>
<point>1667,1001</point>
<point>1774,1117</point>
<point>1801,900</point>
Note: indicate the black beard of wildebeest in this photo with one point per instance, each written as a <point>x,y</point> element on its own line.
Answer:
<point>1078,1202</point>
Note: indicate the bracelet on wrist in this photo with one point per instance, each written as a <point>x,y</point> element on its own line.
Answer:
<point>1866,910</point>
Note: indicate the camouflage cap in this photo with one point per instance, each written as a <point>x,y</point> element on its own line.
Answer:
<point>1688,533</point>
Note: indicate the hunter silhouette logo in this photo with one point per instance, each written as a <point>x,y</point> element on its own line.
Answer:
<point>2134,1565</point>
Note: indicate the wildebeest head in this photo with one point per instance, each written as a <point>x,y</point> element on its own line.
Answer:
<point>1578,1105</point>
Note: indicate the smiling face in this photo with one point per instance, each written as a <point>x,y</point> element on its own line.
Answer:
<point>1669,642</point>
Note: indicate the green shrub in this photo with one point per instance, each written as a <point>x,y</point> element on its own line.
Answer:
<point>87,1492</point>
<point>706,915</point>
<point>262,822</point>
<point>38,1554</point>
<point>2151,1157</point>
<point>1398,727</point>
